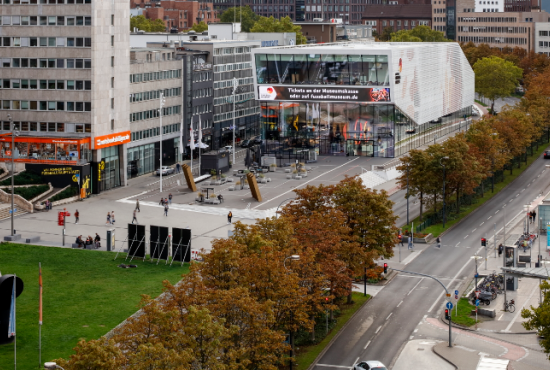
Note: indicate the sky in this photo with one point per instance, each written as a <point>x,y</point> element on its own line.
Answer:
<point>545,4</point>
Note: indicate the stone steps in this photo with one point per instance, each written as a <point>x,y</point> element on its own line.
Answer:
<point>5,211</point>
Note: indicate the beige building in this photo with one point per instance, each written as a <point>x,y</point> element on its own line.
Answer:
<point>64,81</point>
<point>507,29</point>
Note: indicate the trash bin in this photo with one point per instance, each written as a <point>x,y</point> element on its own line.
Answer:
<point>110,240</point>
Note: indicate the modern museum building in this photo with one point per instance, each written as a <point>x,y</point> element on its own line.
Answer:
<point>357,99</point>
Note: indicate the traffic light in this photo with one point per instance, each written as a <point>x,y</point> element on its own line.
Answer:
<point>326,299</point>
<point>447,314</point>
<point>385,268</point>
<point>483,242</point>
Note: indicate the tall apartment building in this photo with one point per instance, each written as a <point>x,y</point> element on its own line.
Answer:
<point>177,14</point>
<point>154,71</point>
<point>64,73</point>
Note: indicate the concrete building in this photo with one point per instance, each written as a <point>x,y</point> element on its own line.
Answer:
<point>154,71</point>
<point>489,6</point>
<point>542,38</point>
<point>357,98</point>
<point>65,72</point>
<point>232,31</point>
<point>507,29</point>
<point>318,32</point>
<point>398,17</point>
<point>177,14</point>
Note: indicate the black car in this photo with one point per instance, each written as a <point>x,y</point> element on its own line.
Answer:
<point>247,144</point>
<point>547,154</point>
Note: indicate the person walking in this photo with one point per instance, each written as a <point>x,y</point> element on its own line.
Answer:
<point>76,216</point>
<point>438,242</point>
<point>500,248</point>
<point>170,198</point>
<point>135,218</point>
<point>177,168</point>
<point>229,216</point>
<point>112,217</point>
<point>534,216</point>
<point>137,205</point>
<point>525,246</point>
<point>161,201</point>
<point>166,209</point>
<point>530,217</point>
<point>108,219</point>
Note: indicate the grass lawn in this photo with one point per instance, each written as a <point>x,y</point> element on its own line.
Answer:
<point>480,102</point>
<point>307,354</point>
<point>85,295</point>
<point>465,210</point>
<point>464,313</point>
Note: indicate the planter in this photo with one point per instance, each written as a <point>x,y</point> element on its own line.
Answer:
<point>272,169</point>
<point>428,238</point>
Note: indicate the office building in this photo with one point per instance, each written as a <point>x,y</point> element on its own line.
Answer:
<point>176,14</point>
<point>359,99</point>
<point>64,81</point>
<point>397,17</point>
<point>542,38</point>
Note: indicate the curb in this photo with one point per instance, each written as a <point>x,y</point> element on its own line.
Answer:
<point>443,358</point>
<point>458,326</point>
<point>329,344</point>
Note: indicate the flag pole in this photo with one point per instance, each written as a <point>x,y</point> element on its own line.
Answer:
<point>40,315</point>
<point>14,325</point>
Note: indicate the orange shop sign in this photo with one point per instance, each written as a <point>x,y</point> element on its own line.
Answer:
<point>112,139</point>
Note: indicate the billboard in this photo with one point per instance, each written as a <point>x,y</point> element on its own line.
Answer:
<point>324,93</point>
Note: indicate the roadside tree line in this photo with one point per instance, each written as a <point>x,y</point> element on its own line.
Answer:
<point>278,276</point>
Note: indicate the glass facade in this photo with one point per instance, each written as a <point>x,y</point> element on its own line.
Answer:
<point>110,177</point>
<point>296,129</point>
<point>141,160</point>
<point>328,69</point>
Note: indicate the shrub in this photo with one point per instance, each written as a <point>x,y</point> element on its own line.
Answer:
<point>30,192</point>
<point>374,274</point>
<point>67,193</point>
<point>24,178</point>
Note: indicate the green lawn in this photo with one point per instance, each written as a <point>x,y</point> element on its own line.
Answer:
<point>464,316</point>
<point>307,354</point>
<point>465,210</point>
<point>85,295</point>
<point>480,102</point>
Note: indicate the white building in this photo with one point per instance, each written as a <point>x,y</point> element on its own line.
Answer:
<point>542,38</point>
<point>359,98</point>
<point>489,6</point>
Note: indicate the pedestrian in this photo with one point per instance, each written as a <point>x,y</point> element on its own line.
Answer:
<point>177,168</point>
<point>500,248</point>
<point>137,205</point>
<point>97,241</point>
<point>76,216</point>
<point>525,246</point>
<point>161,201</point>
<point>170,198</point>
<point>165,201</point>
<point>438,242</point>
<point>400,237</point>
<point>135,218</point>
<point>534,216</point>
<point>531,217</point>
<point>229,216</point>
<point>112,217</point>
<point>108,219</point>
<point>166,209</point>
<point>410,245</point>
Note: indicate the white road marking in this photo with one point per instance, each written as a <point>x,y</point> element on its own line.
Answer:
<point>466,236</point>
<point>411,337</point>
<point>399,304</point>
<point>522,191</point>
<point>489,217</point>
<point>510,201</point>
<point>337,366</point>
<point>457,244</point>
<point>500,317</point>
<point>474,230</point>
<point>517,195</point>
<point>497,211</point>
<point>482,223</point>
<point>366,345</point>
<point>389,316</point>
<point>415,286</point>
<point>377,330</point>
<point>528,185</point>
<point>415,330</point>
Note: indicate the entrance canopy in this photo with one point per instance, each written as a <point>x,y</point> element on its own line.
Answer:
<point>531,272</point>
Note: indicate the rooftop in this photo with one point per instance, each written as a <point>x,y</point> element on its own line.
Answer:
<point>359,46</point>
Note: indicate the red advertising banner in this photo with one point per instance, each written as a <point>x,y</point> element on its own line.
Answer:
<point>61,218</point>
<point>324,93</point>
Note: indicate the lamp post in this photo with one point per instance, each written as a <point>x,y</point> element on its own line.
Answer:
<point>441,163</point>
<point>14,133</point>
<point>161,103</point>
<point>526,220</point>
<point>293,257</point>
<point>235,85</point>
<point>407,195</point>
<point>280,204</point>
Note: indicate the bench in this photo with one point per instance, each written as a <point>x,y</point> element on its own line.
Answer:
<point>32,239</point>
<point>74,245</point>
<point>202,178</point>
<point>11,238</point>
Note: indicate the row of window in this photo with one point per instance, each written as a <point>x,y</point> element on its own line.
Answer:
<point>154,94</point>
<point>79,42</point>
<point>202,76</point>
<point>45,63</point>
<point>229,99</point>
<point>49,127</point>
<point>7,83</point>
<point>154,113</point>
<point>326,8</point>
<point>406,23</point>
<point>32,2</point>
<point>232,67</point>
<point>203,108</point>
<point>154,76</point>
<point>228,51</point>
<point>152,132</point>
<point>69,106</point>
<point>544,33</point>
<point>31,20</point>
<point>543,44</point>
<point>238,113</point>
<point>493,40</point>
<point>229,83</point>
<point>202,93</point>
<point>488,19</point>
<point>494,29</point>
<point>440,19</point>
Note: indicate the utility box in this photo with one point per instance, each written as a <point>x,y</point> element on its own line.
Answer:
<point>110,240</point>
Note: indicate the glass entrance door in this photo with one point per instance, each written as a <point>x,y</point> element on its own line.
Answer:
<point>360,148</point>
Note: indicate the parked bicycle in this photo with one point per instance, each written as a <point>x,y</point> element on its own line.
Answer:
<point>510,306</point>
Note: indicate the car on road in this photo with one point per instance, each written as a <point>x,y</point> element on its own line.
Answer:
<point>228,148</point>
<point>369,365</point>
<point>546,154</point>
<point>247,144</point>
<point>165,171</point>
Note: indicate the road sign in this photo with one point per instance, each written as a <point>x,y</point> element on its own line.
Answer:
<point>14,210</point>
<point>456,292</point>
<point>456,297</point>
<point>477,293</point>
<point>449,305</point>
<point>477,302</point>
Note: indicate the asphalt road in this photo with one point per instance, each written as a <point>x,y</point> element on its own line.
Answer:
<point>387,322</point>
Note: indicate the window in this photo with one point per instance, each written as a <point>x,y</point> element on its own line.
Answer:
<point>112,41</point>
<point>112,82</point>
<point>112,19</point>
<point>112,125</point>
<point>112,103</point>
<point>112,61</point>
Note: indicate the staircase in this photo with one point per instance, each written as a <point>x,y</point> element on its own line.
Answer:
<point>5,211</point>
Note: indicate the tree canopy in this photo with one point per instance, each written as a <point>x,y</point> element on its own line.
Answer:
<point>237,13</point>
<point>200,27</point>
<point>147,25</point>
<point>538,318</point>
<point>419,34</point>
<point>285,24</point>
<point>496,78</point>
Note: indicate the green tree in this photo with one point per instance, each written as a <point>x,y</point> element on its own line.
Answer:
<point>496,78</point>
<point>200,27</point>
<point>419,34</point>
<point>243,14</point>
<point>538,318</point>
<point>157,25</point>
<point>386,35</point>
<point>147,25</point>
<point>265,24</point>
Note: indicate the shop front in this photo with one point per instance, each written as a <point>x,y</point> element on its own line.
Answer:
<point>28,149</point>
<point>107,171</point>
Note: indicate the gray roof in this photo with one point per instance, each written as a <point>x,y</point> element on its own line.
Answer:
<point>532,272</point>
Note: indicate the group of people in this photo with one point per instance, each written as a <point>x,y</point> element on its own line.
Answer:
<point>164,201</point>
<point>532,216</point>
<point>48,205</point>
<point>89,241</point>
<point>110,218</point>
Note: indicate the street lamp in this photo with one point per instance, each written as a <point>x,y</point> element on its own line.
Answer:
<point>525,221</point>
<point>277,211</point>
<point>52,365</point>
<point>293,257</point>
<point>162,102</point>
<point>441,163</point>
<point>407,194</point>
<point>14,133</point>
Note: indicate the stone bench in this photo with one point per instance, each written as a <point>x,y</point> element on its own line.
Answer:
<point>287,170</point>
<point>74,245</point>
<point>12,238</point>
<point>32,239</point>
